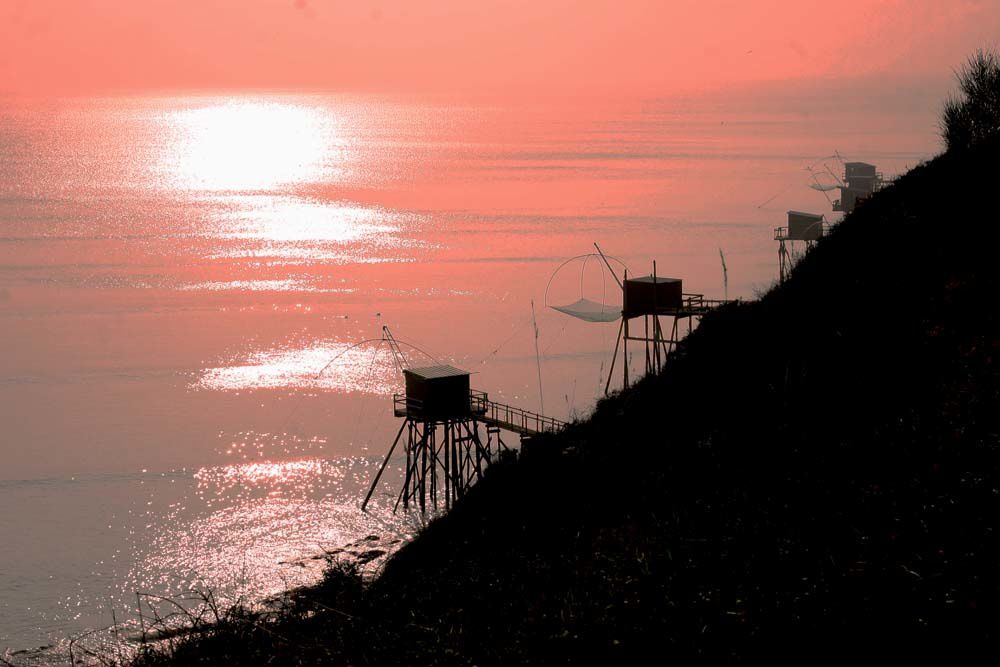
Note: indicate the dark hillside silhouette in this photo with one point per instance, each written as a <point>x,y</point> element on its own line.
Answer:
<point>814,474</point>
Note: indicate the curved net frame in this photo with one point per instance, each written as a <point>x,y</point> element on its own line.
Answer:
<point>588,310</point>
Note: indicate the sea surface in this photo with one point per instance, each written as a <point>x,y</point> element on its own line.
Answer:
<point>183,281</point>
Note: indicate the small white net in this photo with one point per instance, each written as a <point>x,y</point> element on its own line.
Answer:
<point>591,311</point>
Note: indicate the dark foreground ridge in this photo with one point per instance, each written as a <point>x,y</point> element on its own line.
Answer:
<point>816,473</point>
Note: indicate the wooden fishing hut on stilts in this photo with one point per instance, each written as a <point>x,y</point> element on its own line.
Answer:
<point>861,181</point>
<point>445,451</point>
<point>654,297</point>
<point>802,227</point>
<point>649,297</point>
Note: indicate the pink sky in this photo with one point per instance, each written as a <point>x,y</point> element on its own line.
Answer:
<point>60,46</point>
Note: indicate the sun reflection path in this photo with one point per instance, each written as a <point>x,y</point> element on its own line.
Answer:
<point>354,369</point>
<point>246,160</point>
<point>294,219</point>
<point>249,145</point>
<point>253,529</point>
<point>260,473</point>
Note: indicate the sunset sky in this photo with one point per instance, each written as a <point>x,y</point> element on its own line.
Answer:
<point>87,46</point>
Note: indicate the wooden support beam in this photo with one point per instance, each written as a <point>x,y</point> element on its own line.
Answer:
<point>447,475</point>
<point>614,357</point>
<point>423,470</point>
<point>645,322</point>
<point>381,469</point>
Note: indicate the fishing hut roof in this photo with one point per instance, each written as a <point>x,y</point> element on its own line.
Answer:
<point>811,216</point>
<point>435,372</point>
<point>651,279</point>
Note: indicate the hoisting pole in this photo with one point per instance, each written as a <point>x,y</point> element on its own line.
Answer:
<point>400,359</point>
<point>397,354</point>
<point>608,264</point>
<point>538,360</point>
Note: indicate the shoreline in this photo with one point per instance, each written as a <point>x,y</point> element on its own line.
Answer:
<point>131,635</point>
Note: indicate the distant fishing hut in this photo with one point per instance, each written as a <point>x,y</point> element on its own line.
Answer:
<point>802,227</point>
<point>442,415</point>
<point>860,181</point>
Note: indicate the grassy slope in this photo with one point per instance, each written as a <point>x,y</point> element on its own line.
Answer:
<point>816,471</point>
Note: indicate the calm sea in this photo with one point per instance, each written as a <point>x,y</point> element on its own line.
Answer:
<point>176,271</point>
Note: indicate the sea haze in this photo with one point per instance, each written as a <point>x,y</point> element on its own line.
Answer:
<point>175,272</point>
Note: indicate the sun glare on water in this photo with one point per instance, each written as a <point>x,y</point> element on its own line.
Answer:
<point>323,366</point>
<point>244,145</point>
<point>251,161</point>
<point>291,219</point>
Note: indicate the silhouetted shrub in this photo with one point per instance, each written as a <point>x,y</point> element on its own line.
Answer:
<point>975,115</point>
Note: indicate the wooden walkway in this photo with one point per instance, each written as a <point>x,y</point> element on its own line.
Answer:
<point>493,414</point>
<point>513,419</point>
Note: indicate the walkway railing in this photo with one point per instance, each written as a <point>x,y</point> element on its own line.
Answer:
<point>507,417</point>
<point>517,420</point>
<point>781,233</point>
<point>697,304</point>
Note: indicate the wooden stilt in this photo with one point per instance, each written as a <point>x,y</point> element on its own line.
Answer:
<point>625,353</point>
<point>645,322</point>
<point>625,339</point>
<point>784,261</point>
<point>614,356</point>
<point>447,476</point>
<point>658,335</point>
<point>423,469</point>
<point>434,466</point>
<point>381,469</point>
